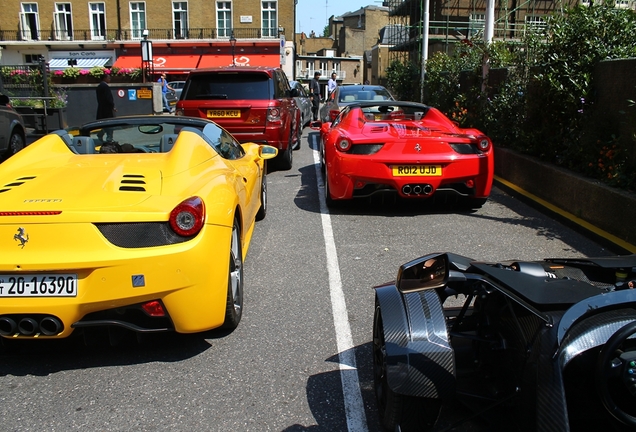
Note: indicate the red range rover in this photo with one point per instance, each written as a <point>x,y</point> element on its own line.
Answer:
<point>254,104</point>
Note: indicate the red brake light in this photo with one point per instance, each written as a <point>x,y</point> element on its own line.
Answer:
<point>154,308</point>
<point>186,219</point>
<point>343,144</point>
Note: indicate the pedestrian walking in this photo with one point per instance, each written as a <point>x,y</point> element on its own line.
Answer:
<point>165,88</point>
<point>105,105</point>
<point>314,90</point>
<point>331,85</point>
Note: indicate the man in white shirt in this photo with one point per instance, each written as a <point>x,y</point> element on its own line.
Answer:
<point>331,85</point>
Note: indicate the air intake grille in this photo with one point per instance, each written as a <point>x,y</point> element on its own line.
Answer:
<point>140,234</point>
<point>133,182</point>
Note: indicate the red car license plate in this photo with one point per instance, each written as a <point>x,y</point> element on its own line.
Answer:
<point>416,170</point>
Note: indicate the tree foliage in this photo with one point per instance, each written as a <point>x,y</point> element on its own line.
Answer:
<point>545,105</point>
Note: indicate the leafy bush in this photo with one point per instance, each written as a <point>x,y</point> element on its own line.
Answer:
<point>545,106</point>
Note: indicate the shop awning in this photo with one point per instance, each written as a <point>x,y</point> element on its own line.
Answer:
<point>211,60</point>
<point>82,63</point>
<point>173,63</point>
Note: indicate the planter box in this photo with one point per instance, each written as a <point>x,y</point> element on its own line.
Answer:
<point>55,119</point>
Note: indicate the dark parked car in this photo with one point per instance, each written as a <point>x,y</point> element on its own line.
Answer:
<point>303,102</point>
<point>177,86</point>
<point>254,104</point>
<point>537,345</point>
<point>348,94</point>
<point>12,130</point>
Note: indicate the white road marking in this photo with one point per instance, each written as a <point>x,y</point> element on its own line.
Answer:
<point>354,407</point>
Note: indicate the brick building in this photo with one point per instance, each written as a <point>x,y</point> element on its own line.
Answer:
<point>184,34</point>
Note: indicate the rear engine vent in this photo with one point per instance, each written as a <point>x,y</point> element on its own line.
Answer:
<point>133,182</point>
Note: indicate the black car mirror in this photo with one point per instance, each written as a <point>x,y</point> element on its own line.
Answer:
<point>427,272</point>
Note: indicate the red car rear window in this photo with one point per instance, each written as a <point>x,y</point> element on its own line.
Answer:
<point>231,86</point>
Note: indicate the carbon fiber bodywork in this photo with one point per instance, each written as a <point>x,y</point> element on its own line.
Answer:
<point>526,341</point>
<point>420,360</point>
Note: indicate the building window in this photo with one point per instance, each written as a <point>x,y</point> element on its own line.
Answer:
<point>535,22</point>
<point>137,19</point>
<point>476,24</point>
<point>98,21</point>
<point>180,19</point>
<point>269,22</point>
<point>32,58</point>
<point>29,22</point>
<point>324,68</point>
<point>63,21</point>
<point>224,18</point>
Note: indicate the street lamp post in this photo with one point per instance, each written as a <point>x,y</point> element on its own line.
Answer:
<point>146,55</point>
<point>233,44</point>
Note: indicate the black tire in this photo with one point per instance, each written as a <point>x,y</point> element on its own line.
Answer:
<point>322,156</point>
<point>262,210</point>
<point>331,203</point>
<point>299,132</point>
<point>396,411</point>
<point>475,203</point>
<point>234,302</point>
<point>16,143</point>
<point>285,158</point>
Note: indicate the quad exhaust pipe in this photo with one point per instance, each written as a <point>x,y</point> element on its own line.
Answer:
<point>417,189</point>
<point>29,326</point>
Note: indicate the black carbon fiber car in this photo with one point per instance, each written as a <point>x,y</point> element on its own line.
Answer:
<point>537,346</point>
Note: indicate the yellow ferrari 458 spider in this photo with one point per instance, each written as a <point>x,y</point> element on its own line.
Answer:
<point>140,223</point>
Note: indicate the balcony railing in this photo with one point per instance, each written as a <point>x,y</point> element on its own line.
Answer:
<point>119,35</point>
<point>325,74</point>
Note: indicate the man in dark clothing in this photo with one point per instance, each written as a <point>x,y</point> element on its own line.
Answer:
<point>105,105</point>
<point>314,94</point>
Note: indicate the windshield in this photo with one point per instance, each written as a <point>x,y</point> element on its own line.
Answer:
<point>232,86</point>
<point>358,94</point>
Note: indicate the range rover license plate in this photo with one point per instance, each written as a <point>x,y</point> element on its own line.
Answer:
<point>224,113</point>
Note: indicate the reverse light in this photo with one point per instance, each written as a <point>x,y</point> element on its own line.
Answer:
<point>274,115</point>
<point>470,184</point>
<point>186,219</point>
<point>343,144</point>
<point>154,308</point>
<point>484,144</point>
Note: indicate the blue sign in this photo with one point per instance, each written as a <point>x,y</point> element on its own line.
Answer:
<point>132,94</point>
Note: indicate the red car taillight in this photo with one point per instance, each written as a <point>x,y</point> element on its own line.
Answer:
<point>274,116</point>
<point>343,144</point>
<point>186,219</point>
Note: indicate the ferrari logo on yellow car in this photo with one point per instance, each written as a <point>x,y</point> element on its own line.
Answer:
<point>22,237</point>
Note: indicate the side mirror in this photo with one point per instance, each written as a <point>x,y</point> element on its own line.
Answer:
<point>427,272</point>
<point>267,152</point>
<point>315,125</point>
<point>293,92</point>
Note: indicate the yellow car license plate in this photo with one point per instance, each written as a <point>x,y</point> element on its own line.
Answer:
<point>416,170</point>
<point>224,113</point>
<point>41,285</point>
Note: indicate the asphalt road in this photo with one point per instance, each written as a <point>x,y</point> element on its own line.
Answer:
<point>301,358</point>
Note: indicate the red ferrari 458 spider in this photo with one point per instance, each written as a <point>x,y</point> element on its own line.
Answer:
<point>403,147</point>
